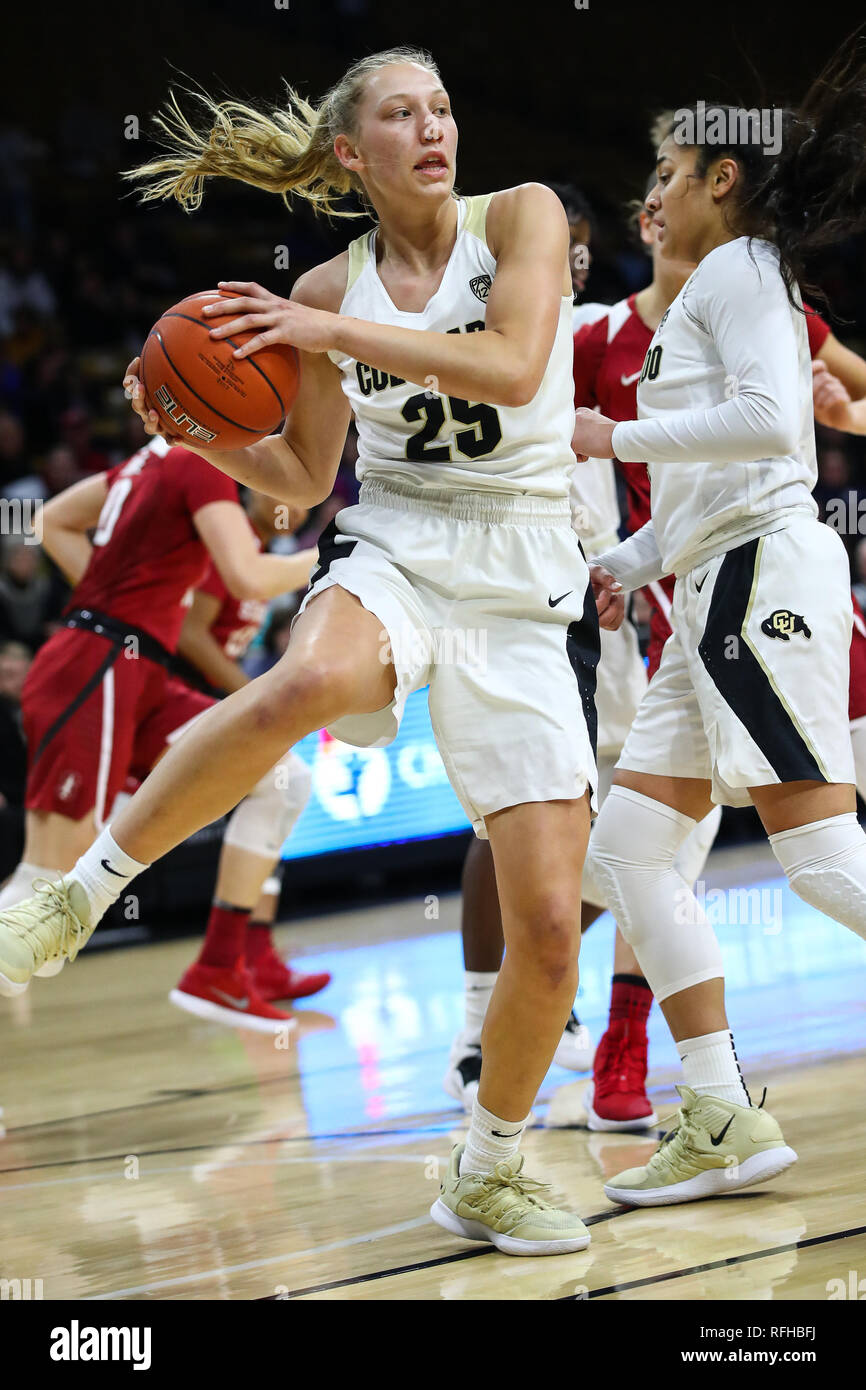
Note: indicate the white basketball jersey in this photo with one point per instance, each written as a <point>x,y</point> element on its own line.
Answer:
<point>725,409</point>
<point>409,434</point>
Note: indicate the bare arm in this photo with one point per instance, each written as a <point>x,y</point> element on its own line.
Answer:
<point>833,404</point>
<point>67,518</point>
<point>245,571</point>
<point>198,645</point>
<point>504,365</point>
<point>848,366</point>
<point>298,466</point>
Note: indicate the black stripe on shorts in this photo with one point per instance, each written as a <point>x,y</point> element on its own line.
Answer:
<point>331,549</point>
<point>741,679</point>
<point>583,644</point>
<point>77,701</point>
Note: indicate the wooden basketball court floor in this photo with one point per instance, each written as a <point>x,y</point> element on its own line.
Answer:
<point>150,1155</point>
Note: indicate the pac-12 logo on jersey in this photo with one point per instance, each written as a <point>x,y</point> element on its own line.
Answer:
<point>783,623</point>
<point>480,287</point>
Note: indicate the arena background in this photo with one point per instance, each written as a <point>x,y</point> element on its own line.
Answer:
<point>543,91</point>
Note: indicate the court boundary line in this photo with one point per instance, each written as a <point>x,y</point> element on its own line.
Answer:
<point>350,1280</point>
<point>715,1264</point>
<point>375,1275</point>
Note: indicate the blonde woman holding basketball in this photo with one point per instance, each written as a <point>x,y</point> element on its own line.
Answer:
<point>447,329</point>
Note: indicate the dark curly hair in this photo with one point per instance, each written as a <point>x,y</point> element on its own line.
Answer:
<point>812,193</point>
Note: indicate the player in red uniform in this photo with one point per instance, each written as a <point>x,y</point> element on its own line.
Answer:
<point>217,630</point>
<point>101,702</point>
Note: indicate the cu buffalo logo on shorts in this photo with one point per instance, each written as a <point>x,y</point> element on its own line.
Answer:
<point>480,287</point>
<point>783,623</point>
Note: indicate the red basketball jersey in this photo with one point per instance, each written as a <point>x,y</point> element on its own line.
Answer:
<point>146,551</point>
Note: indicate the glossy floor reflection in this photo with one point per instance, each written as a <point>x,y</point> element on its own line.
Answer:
<point>152,1155</point>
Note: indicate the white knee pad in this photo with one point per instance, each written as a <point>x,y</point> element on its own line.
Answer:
<point>266,816</point>
<point>825,863</point>
<point>633,848</point>
<point>693,851</point>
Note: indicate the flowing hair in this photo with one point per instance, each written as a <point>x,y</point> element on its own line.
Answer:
<point>289,150</point>
<point>812,193</point>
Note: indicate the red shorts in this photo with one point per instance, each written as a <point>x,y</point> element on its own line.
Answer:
<point>92,716</point>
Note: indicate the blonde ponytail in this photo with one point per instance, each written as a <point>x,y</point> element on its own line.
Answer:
<point>291,150</point>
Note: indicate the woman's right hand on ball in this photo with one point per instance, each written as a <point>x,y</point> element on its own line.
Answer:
<point>134,391</point>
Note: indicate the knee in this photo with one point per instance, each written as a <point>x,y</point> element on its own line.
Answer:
<point>317,692</point>
<point>549,943</point>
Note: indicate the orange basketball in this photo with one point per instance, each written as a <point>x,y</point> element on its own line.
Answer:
<point>202,392</point>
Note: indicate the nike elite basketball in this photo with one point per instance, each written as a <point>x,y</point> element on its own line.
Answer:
<point>205,394</point>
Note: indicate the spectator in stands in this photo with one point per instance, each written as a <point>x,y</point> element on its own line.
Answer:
<point>29,599</point>
<point>834,476</point>
<point>13,462</point>
<point>75,428</point>
<point>14,664</point>
<point>59,470</point>
<point>23,286</point>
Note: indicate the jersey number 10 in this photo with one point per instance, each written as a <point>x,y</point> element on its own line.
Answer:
<point>652,362</point>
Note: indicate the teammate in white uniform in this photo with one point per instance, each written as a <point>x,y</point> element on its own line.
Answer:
<point>747,702</point>
<point>448,330</point>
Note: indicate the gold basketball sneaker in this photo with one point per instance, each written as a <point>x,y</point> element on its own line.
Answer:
<point>506,1209</point>
<point>716,1148</point>
<point>50,927</point>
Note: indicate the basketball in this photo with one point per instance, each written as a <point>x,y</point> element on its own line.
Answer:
<point>201,391</point>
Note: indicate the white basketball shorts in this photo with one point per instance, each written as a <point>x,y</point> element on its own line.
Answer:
<point>487,598</point>
<point>752,688</point>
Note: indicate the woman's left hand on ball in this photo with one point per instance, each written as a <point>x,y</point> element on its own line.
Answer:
<point>273,320</point>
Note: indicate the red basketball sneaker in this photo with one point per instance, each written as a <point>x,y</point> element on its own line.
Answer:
<point>274,980</point>
<point>617,1097</point>
<point>229,996</point>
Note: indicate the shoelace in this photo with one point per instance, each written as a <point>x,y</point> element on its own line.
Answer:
<point>674,1134</point>
<point>502,1181</point>
<point>72,930</point>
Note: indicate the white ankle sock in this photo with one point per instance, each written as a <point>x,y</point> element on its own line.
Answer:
<point>104,871</point>
<point>478,987</point>
<point>710,1067</point>
<point>20,885</point>
<point>489,1140</point>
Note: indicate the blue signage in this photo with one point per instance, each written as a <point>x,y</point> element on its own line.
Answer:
<point>376,796</point>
